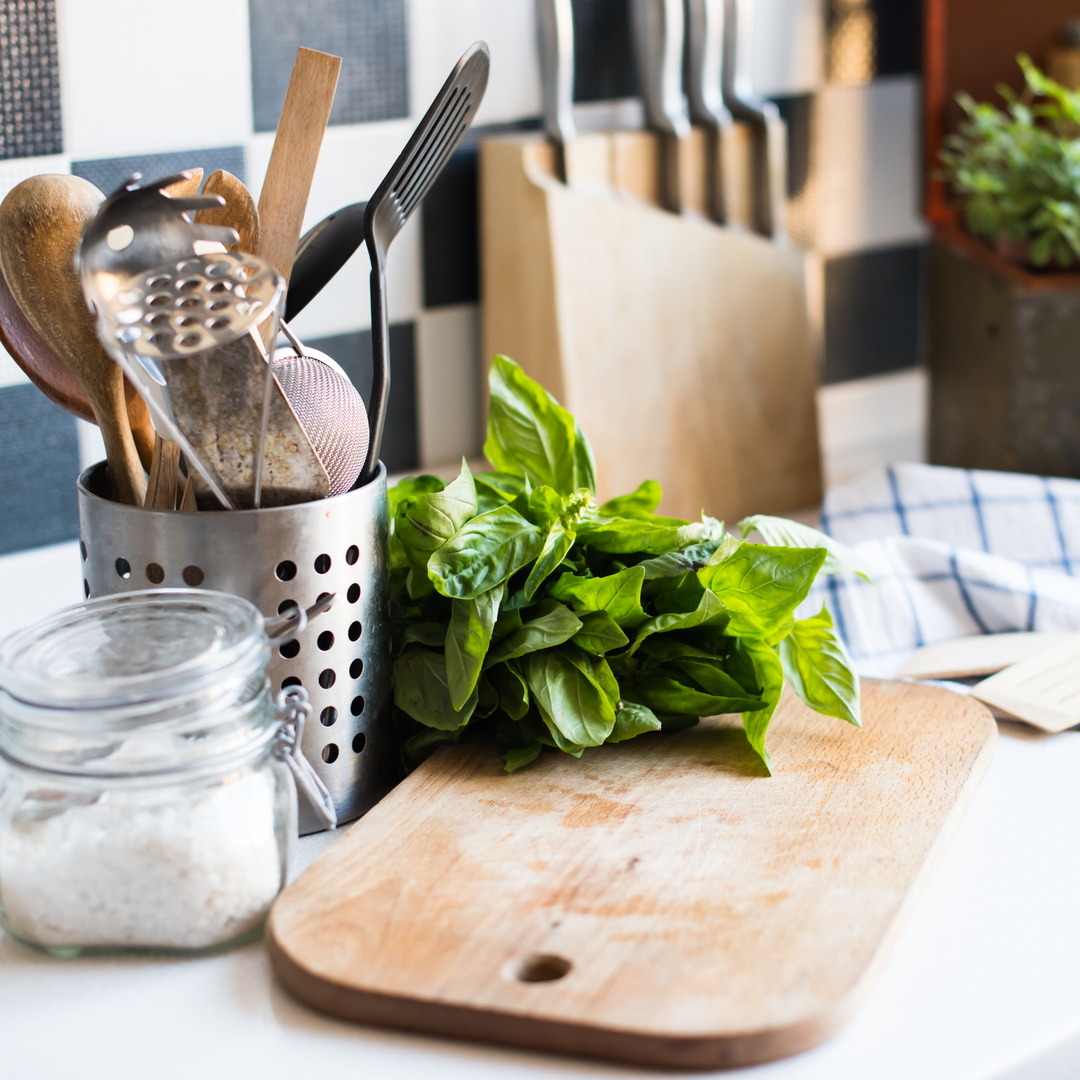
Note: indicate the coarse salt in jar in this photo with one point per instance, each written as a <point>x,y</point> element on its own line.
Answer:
<point>147,797</point>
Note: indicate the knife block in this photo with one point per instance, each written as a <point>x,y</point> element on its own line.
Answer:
<point>683,348</point>
<point>278,556</point>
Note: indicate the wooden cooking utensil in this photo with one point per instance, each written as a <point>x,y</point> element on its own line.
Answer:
<point>239,212</point>
<point>300,130</point>
<point>981,654</point>
<point>660,902</point>
<point>162,483</point>
<point>41,223</point>
<point>1043,690</point>
<point>52,377</point>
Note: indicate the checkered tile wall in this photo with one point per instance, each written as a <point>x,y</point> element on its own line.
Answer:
<point>111,87</point>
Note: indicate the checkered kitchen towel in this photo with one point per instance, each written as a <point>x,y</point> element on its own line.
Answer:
<point>951,552</point>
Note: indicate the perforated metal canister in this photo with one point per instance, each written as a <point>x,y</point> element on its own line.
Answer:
<point>274,557</point>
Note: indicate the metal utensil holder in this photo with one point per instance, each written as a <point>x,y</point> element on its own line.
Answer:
<point>275,557</point>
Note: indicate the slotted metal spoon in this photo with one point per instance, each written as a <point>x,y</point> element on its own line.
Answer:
<point>401,192</point>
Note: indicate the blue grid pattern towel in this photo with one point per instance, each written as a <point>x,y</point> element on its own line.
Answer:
<point>951,552</point>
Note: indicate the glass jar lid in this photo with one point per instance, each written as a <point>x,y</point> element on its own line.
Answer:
<point>135,647</point>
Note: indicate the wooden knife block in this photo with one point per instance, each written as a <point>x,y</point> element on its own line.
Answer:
<point>683,348</point>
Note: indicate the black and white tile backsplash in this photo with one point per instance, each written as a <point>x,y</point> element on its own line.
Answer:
<point>157,94</point>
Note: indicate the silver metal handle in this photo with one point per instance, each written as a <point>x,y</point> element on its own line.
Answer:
<point>294,709</point>
<point>770,131</point>
<point>659,35</point>
<point>704,92</point>
<point>555,22</point>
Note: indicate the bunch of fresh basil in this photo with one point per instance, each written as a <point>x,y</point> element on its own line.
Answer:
<point>515,597</point>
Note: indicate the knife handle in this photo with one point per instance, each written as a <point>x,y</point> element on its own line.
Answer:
<point>704,92</point>
<point>555,23</point>
<point>659,34</point>
<point>770,131</point>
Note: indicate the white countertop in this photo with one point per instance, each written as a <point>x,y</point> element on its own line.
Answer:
<point>984,982</point>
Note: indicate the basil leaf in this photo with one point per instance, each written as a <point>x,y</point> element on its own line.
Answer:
<point>483,553</point>
<point>417,749</point>
<point>467,639</point>
<point>544,506</point>
<point>584,462</point>
<point>646,534</point>
<point>781,531</point>
<point>761,586</point>
<point>769,673</point>
<point>487,697</point>
<point>528,432</point>
<point>599,634</point>
<point>680,595</point>
<point>423,523</point>
<point>595,669</point>
<point>497,489</point>
<point>557,543</point>
<point>647,498</point>
<point>408,486</point>
<point>632,719</point>
<point>662,690</point>
<point>426,633</point>
<point>617,594</point>
<point>552,624</point>
<point>675,563</point>
<point>711,677</point>
<point>724,550</point>
<point>421,689</point>
<point>710,611</point>
<point>570,703</point>
<point>510,685</point>
<point>664,647</point>
<point>516,746</point>
<point>818,667</point>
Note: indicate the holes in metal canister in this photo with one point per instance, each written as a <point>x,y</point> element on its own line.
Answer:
<point>356,668</point>
<point>193,576</point>
<point>325,641</point>
<point>357,706</point>
<point>86,588</point>
<point>352,555</point>
<point>286,570</point>
<point>322,564</point>
<point>327,678</point>
<point>359,742</point>
<point>355,630</point>
<point>538,967</point>
<point>328,717</point>
<point>353,594</point>
<point>290,606</point>
<point>292,680</point>
<point>82,549</point>
<point>123,568</point>
<point>290,650</point>
<point>330,753</point>
<point>155,574</point>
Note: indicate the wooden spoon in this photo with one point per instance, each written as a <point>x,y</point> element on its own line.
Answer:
<point>239,212</point>
<point>52,377</point>
<point>41,223</point>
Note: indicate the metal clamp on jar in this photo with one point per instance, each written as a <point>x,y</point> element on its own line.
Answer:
<point>147,797</point>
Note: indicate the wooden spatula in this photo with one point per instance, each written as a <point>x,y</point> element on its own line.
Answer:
<point>41,223</point>
<point>1043,690</point>
<point>300,129</point>
<point>982,654</point>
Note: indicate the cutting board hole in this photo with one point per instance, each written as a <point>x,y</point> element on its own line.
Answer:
<point>539,967</point>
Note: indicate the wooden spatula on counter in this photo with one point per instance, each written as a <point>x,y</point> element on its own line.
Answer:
<point>41,222</point>
<point>980,654</point>
<point>1043,690</point>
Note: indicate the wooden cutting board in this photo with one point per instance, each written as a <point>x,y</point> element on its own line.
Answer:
<point>659,902</point>
<point>683,349</point>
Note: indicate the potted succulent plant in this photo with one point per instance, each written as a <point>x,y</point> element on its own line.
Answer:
<point>1005,289</point>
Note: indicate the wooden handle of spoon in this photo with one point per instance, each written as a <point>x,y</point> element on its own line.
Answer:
<point>239,212</point>
<point>299,137</point>
<point>41,223</point>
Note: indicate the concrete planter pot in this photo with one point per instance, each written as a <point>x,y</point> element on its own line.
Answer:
<point>1004,356</point>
